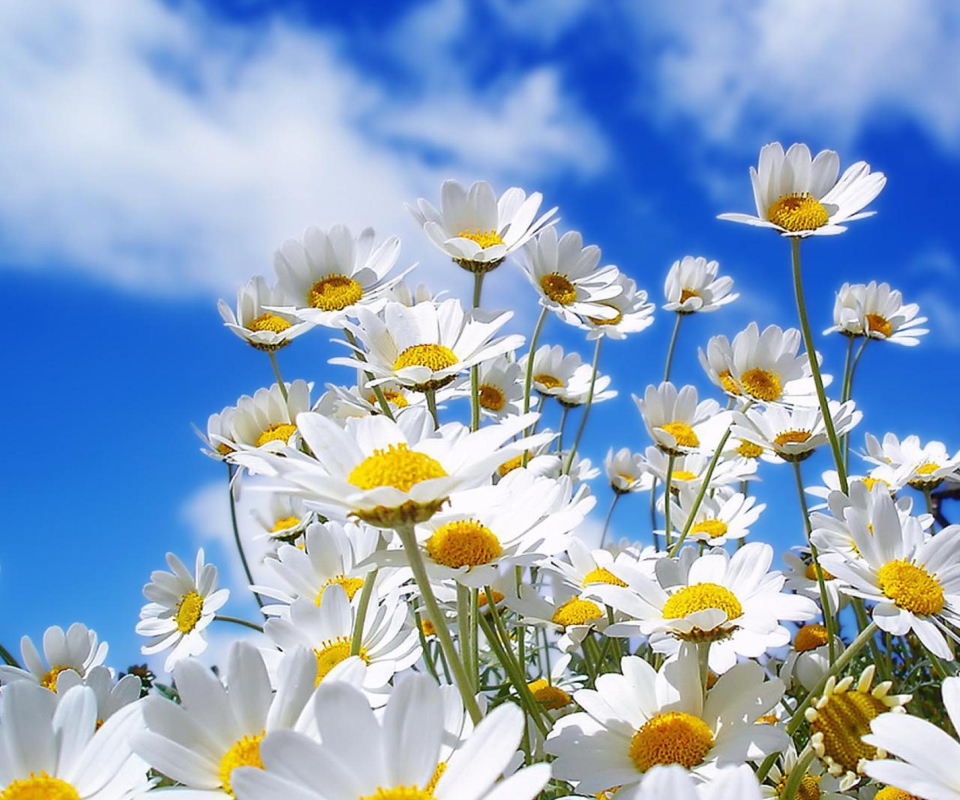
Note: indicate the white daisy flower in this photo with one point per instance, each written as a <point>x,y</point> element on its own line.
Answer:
<point>566,277</point>
<point>587,567</point>
<point>792,434</point>
<point>328,276</point>
<point>813,784</point>
<point>397,757</point>
<point>360,400</point>
<point>286,518</point>
<point>219,438</point>
<point>927,466</point>
<point>565,377</point>
<point>181,606</point>
<point>557,607</point>
<point>632,313</point>
<point>809,658</point>
<point>267,420</point>
<point>475,229</point>
<point>627,472</point>
<point>52,749</point>
<point>692,285</point>
<point>802,579</point>
<point>721,518</point>
<point>428,345</point>
<point>930,765</point>
<point>77,650</point>
<point>690,470</point>
<point>110,695</point>
<point>501,388</point>
<point>255,324</point>
<point>672,417</point>
<point>642,718</point>
<point>799,196</point>
<point>675,783</point>
<point>555,693</point>
<point>885,475</point>
<point>402,292</point>
<point>878,312</point>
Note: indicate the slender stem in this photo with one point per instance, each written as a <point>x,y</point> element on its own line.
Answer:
<point>236,534</point>
<point>463,629</point>
<point>668,531</point>
<point>412,549</point>
<point>606,522</point>
<point>425,649</point>
<point>653,514</point>
<point>368,376</point>
<point>815,367</point>
<point>528,378</point>
<point>431,396</point>
<point>475,369</point>
<point>356,637</point>
<point>564,410</point>
<point>670,349</point>
<point>846,369</point>
<point>474,664</point>
<point>238,621</point>
<point>848,392</point>
<point>586,407</point>
<point>8,658</point>
<point>797,773</point>
<point>276,371</point>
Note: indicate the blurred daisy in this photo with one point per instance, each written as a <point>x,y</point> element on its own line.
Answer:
<point>626,471</point>
<point>77,651</point>
<point>255,324</point>
<point>111,695</point>
<point>268,419</point>
<point>501,388</point>
<point>672,417</point>
<point>360,400</point>
<point>792,434</point>
<point>798,196</point>
<point>633,313</point>
<point>181,606</point>
<point>327,276</point>
<point>692,285</point>
<point>565,376</point>
<point>587,568</point>
<point>690,470</point>
<point>926,466</point>
<point>475,229</point>
<point>718,519</point>
<point>878,312</point>
<point>286,517</point>
<point>802,579</point>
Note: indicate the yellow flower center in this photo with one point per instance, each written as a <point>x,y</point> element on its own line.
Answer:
<point>189,610</point>
<point>798,211</point>
<point>268,322</point>
<point>464,543</point>
<point>49,679</point>
<point>39,787</point>
<point>395,466</point>
<point>550,697</point>
<point>615,320</point>
<point>700,597</point>
<point>334,293</point>
<point>350,585</point>
<point>331,652</point>
<point>911,587</point>
<point>427,627</point>
<point>487,238</point>
<point>927,469</point>
<point>810,637</point>
<point>397,398</point>
<point>749,449</point>
<point>509,466</point>
<point>842,720</point>
<point>434,357</point>
<point>879,324</point>
<point>547,381</point>
<point>492,397</point>
<point>682,433</point>
<point>601,575</point>
<point>558,288</point>
<point>279,432</point>
<point>400,793</point>
<point>809,788</point>
<point>576,612</point>
<point>791,437</point>
<point>682,475</point>
<point>762,384</point>
<point>686,294</point>
<point>714,528</point>
<point>673,737</point>
<point>284,524</point>
<point>482,597</point>
<point>870,483</point>
<point>810,573</point>
<point>244,752</point>
<point>893,793</point>
<point>435,778</point>
<point>728,382</point>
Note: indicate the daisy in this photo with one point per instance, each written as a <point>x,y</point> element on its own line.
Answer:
<point>913,580</point>
<point>252,322</point>
<point>813,784</point>
<point>692,285</point>
<point>387,472</point>
<point>557,607</point>
<point>328,276</point>
<point>565,377</point>
<point>802,579</point>
<point>76,650</point>
<point>643,718</point>
<point>426,346</point>
<point>566,277</point>
<point>809,659</point>
<point>501,388</point>
<point>181,606</point>
<point>885,475</point>
<point>626,471</point>
<point>588,567</point>
<point>690,470</point>
<point>360,400</point>
<point>672,418</point>
<point>799,196</point>
<point>475,229</point>
<point>675,783</point>
<point>632,313</point>
<point>110,695</point>
<point>718,519</point>
<point>267,420</point>
<point>878,312</point>
<point>52,748</point>
<point>286,518</point>
<point>218,440</point>
<point>927,466</point>
<point>792,434</point>
<point>930,756</point>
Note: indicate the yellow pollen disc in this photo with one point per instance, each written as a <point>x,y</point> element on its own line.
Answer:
<point>509,466</point>
<point>435,778</point>
<point>224,449</point>
<point>616,320</point>
<point>189,610</point>
<point>673,737</point>
<point>761,384</point>
<point>39,787</point>
<point>682,433</point>
<point>810,573</point>
<point>397,398</point>
<point>682,475</point>
<point>492,397</point>
<point>487,238</point>
<point>767,719</point>
<point>558,288</point>
<point>331,652</point>
<point>686,294</point>
<point>791,437</point>
<point>551,697</point>
<point>268,322</point>
<point>284,524</point>
<point>870,483</point>
<point>729,383</point>
<point>601,575</point>
<point>334,293</point>
<point>607,794</point>
<point>798,211</point>
<point>482,598</point>
<point>700,597</point>
<point>714,528</point>
<point>911,587</point>
<point>749,449</point>
<point>576,612</point>
<point>49,679</point>
<point>927,469</point>
<point>434,357</point>
<point>464,543</point>
<point>350,585</point>
<point>399,793</point>
<point>280,432</point>
<point>395,466</point>
<point>893,793</point>
<point>810,637</point>
<point>842,720</point>
<point>244,752</point>
<point>427,627</point>
<point>548,381</point>
<point>809,788</point>
<point>878,324</point>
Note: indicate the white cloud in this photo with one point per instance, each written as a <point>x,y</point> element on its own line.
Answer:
<point>170,152</point>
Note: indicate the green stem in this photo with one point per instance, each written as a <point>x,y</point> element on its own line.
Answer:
<point>528,378</point>
<point>431,396</point>
<point>667,530</point>
<point>236,534</point>
<point>475,369</point>
<point>700,494</point>
<point>564,410</point>
<point>8,658</point>
<point>368,376</point>
<point>586,407</point>
<point>276,372</point>
<point>427,658</point>
<point>606,522</point>
<point>670,348</point>
<point>356,637</point>
<point>238,621</point>
<point>797,774</point>
<point>463,629</point>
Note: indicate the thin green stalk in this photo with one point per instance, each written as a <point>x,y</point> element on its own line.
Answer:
<point>431,396</point>
<point>671,347</point>
<point>463,630</point>
<point>653,514</point>
<point>474,663</point>
<point>845,393</point>
<point>356,636</point>
<point>475,369</point>
<point>797,773</point>
<point>238,621</point>
<point>424,648</point>
<point>586,407</point>
<point>667,530</point>
<point>815,367</point>
<point>528,378</point>
<point>276,372</point>
<point>368,376</point>
<point>236,534</point>
<point>8,659</point>
<point>700,494</point>
<point>564,410</point>
<point>606,521</point>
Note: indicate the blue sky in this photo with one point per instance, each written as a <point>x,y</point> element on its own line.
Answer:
<point>153,155</point>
